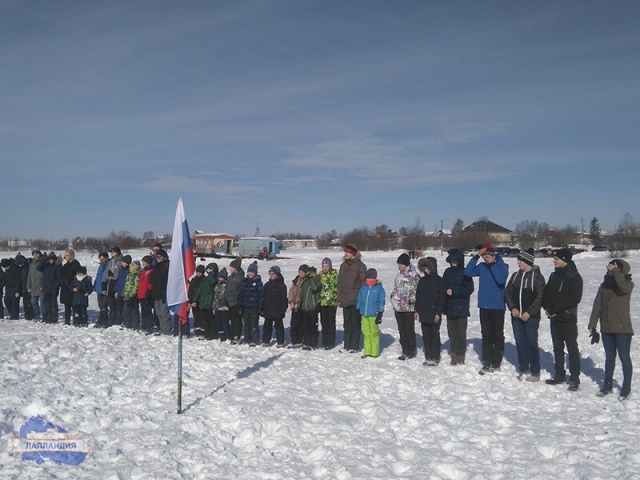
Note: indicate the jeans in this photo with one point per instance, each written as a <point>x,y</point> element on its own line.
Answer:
<point>37,302</point>
<point>620,343</point>
<point>526,336</point>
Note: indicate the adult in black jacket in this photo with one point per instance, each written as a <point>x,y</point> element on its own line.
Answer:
<point>23,265</point>
<point>560,302</point>
<point>430,301</point>
<point>67,274</point>
<point>459,288</point>
<point>275,307</point>
<point>159,279</point>
<point>12,287</point>
<point>50,269</point>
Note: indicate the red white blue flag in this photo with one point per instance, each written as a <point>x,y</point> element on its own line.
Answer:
<point>182,266</point>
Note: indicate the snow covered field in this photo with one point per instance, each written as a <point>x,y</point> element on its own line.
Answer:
<point>267,413</point>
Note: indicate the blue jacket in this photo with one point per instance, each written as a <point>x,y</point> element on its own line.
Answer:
<point>97,285</point>
<point>251,294</point>
<point>457,304</point>
<point>84,286</point>
<point>493,280</point>
<point>122,277</point>
<point>370,300</point>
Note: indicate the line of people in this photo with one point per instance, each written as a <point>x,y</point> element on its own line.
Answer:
<point>227,305</point>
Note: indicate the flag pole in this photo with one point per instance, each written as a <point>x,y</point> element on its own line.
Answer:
<point>179,367</point>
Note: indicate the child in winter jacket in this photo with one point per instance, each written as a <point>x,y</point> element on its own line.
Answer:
<point>130,304</point>
<point>82,287</point>
<point>370,303</point>
<point>430,302</point>
<point>220,307</point>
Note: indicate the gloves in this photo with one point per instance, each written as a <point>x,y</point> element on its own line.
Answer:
<point>595,336</point>
<point>379,318</point>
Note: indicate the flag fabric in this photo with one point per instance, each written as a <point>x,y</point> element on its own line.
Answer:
<point>182,266</point>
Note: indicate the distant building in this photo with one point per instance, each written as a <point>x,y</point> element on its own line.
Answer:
<point>259,247</point>
<point>487,228</point>
<point>212,244</point>
<point>299,243</point>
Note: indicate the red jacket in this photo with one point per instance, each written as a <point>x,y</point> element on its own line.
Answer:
<point>144,287</point>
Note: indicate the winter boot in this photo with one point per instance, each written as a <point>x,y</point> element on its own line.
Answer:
<point>454,359</point>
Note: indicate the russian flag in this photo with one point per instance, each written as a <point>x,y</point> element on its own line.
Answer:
<point>182,266</point>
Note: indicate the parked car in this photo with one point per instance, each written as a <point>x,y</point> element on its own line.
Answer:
<point>599,249</point>
<point>508,251</point>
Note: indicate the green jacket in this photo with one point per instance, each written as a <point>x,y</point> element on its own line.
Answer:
<point>329,288</point>
<point>131,282</point>
<point>205,292</point>
<point>310,293</point>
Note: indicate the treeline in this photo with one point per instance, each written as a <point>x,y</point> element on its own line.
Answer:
<point>528,233</point>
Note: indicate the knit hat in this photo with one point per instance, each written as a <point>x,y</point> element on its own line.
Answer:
<point>489,248</point>
<point>564,254</point>
<point>82,271</point>
<point>223,273</point>
<point>136,263</point>
<point>147,259</point>
<point>372,273</point>
<point>236,263</point>
<point>127,259</point>
<point>200,268</point>
<point>162,253</point>
<point>20,260</point>
<point>36,250</point>
<point>52,256</point>
<point>527,256</point>
<point>404,259</point>
<point>253,268</point>
<point>116,250</point>
<point>275,269</point>
<point>303,268</point>
<point>351,248</point>
<point>327,261</point>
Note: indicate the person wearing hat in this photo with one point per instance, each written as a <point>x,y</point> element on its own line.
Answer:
<point>493,274</point>
<point>370,304</point>
<point>231,292</point>
<point>112,273</point>
<point>328,303</point>
<point>459,288</point>
<point>351,277</point>
<point>23,267</point>
<point>145,299</point>
<point>308,305</point>
<point>34,284</point>
<point>159,279</point>
<point>82,287</point>
<point>251,301</point>
<point>293,298</point>
<point>123,272</point>
<point>560,301</point>
<point>204,298</point>
<point>275,307</point>
<point>430,302</point>
<point>612,308</point>
<point>523,296</point>
<point>403,300</point>
<point>50,268</point>
<point>68,273</point>
<point>130,303</point>
<point>194,284</point>
<point>12,287</point>
<point>220,308</point>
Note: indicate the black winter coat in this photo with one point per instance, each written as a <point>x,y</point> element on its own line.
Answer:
<point>524,291</point>
<point>159,279</point>
<point>67,275</point>
<point>50,276</point>
<point>430,297</point>
<point>457,304</point>
<point>13,280</point>
<point>563,293</point>
<point>275,298</point>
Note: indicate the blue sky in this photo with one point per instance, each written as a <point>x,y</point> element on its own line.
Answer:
<point>308,116</point>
